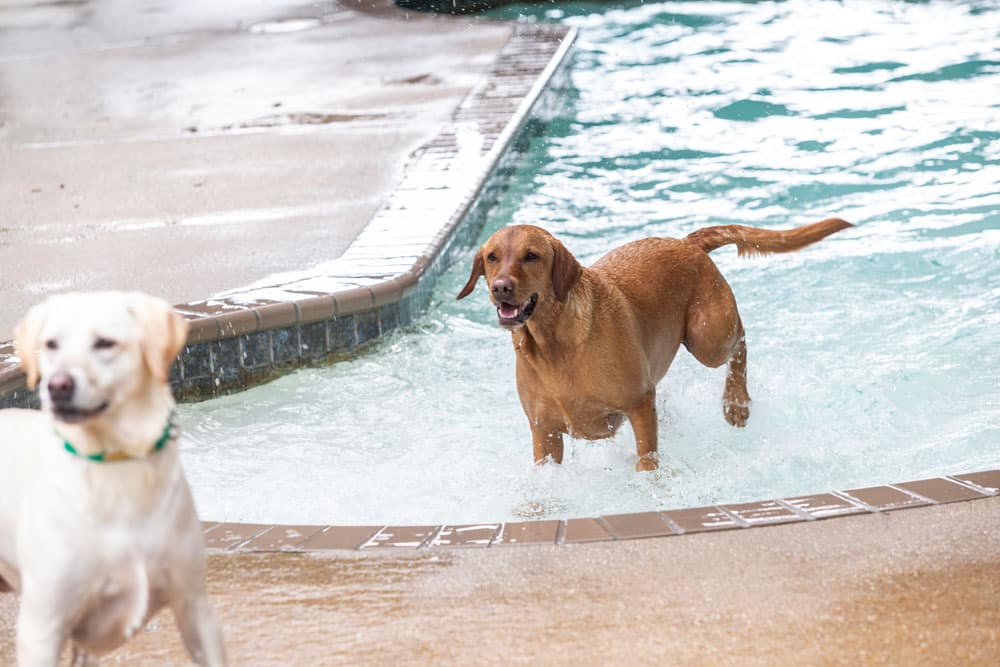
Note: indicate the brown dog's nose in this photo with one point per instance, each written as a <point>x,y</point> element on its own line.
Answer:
<point>61,388</point>
<point>502,288</point>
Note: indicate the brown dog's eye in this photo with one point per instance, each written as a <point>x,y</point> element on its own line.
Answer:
<point>530,256</point>
<point>492,257</point>
<point>52,344</point>
<point>104,344</point>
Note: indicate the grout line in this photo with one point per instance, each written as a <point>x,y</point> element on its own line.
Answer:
<point>843,495</point>
<point>795,510</point>
<point>740,521</point>
<point>607,527</point>
<point>972,485</point>
<point>238,545</point>
<point>913,493</point>
<point>371,539</point>
<point>673,524</point>
<point>561,532</point>
<point>431,536</point>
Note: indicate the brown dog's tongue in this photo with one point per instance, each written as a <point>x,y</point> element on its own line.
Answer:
<point>507,310</point>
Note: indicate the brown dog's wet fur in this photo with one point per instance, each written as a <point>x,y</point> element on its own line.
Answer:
<point>592,343</point>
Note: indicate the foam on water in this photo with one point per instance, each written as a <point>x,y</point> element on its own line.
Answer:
<point>873,356</point>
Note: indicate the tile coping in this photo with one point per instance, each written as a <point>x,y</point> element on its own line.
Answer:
<point>239,537</point>
<point>250,335</point>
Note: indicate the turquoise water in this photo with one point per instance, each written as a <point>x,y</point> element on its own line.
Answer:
<point>873,356</point>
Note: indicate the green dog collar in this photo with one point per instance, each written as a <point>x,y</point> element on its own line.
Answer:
<point>104,457</point>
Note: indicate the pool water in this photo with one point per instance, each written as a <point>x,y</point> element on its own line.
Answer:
<point>874,356</point>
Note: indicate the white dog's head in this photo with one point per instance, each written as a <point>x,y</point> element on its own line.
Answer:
<point>92,352</point>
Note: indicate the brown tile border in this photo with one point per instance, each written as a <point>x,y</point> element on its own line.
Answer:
<point>281,538</point>
<point>823,505</point>
<point>939,490</point>
<point>611,527</point>
<point>701,519</point>
<point>762,513</point>
<point>527,532</point>
<point>638,525</point>
<point>988,481</point>
<point>883,498</point>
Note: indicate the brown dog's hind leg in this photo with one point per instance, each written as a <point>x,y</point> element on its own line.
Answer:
<point>643,420</point>
<point>736,399</point>
<point>714,335</point>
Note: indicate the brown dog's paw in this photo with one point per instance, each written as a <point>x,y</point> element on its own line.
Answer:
<point>647,463</point>
<point>736,412</point>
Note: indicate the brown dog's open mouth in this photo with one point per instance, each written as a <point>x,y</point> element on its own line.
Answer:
<point>72,415</point>
<point>511,315</point>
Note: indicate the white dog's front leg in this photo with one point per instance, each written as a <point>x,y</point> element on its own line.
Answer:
<point>81,659</point>
<point>41,633</point>
<point>200,629</point>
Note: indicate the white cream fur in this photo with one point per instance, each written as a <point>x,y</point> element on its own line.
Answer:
<point>96,549</point>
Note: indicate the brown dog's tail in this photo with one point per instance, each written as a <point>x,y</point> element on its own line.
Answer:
<point>753,241</point>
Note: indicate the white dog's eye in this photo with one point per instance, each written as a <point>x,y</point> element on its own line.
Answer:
<point>104,344</point>
<point>52,344</point>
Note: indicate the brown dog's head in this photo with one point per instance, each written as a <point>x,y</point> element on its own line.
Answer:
<point>525,267</point>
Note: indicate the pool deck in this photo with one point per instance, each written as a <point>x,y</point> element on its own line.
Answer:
<point>292,177</point>
<point>918,587</point>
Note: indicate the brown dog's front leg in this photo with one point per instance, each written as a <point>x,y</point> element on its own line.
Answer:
<point>643,419</point>
<point>547,443</point>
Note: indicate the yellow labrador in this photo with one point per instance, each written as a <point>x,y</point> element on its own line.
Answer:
<point>98,530</point>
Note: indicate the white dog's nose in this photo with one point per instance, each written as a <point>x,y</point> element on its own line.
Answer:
<point>61,387</point>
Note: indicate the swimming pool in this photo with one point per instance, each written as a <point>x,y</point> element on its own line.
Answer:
<point>873,356</point>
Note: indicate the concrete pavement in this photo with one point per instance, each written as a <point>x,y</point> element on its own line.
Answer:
<point>911,587</point>
<point>191,148</point>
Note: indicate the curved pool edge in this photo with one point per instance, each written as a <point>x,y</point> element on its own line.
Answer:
<point>248,336</point>
<point>254,537</point>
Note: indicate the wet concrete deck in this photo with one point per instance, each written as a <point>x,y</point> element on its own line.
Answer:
<point>918,586</point>
<point>190,148</point>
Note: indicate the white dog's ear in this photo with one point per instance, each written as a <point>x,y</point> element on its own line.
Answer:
<point>27,340</point>
<point>164,333</point>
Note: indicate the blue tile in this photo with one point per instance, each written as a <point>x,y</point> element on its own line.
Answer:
<point>313,340</point>
<point>406,315</point>
<point>342,335</point>
<point>388,318</point>
<point>225,358</point>
<point>256,349</point>
<point>285,345</point>
<point>367,326</point>
<point>198,388</point>
<point>197,362</point>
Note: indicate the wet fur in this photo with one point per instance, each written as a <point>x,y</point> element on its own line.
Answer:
<point>601,338</point>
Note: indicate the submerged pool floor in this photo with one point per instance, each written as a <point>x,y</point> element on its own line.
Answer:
<point>873,356</point>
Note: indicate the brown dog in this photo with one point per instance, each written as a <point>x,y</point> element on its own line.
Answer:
<point>592,343</point>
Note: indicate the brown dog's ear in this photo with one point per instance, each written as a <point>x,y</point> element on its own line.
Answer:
<point>27,341</point>
<point>164,333</point>
<point>478,269</point>
<point>565,270</point>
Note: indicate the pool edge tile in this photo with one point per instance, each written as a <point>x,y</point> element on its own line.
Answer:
<point>579,531</point>
<point>335,538</point>
<point>940,490</point>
